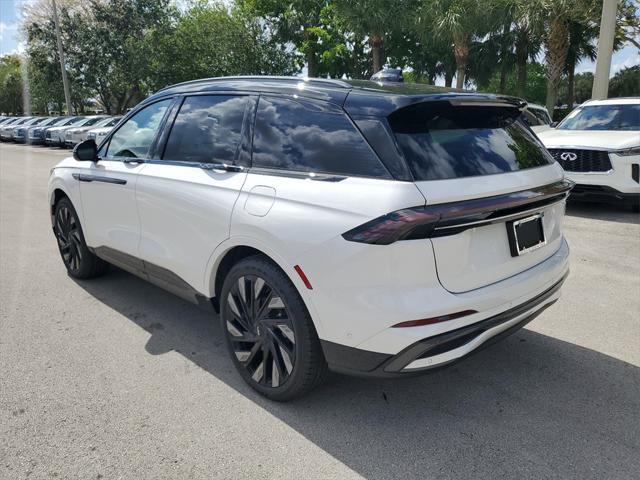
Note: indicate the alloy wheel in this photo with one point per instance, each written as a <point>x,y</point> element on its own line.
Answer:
<point>260,331</point>
<point>67,233</point>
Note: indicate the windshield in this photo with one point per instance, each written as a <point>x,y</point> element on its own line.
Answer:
<point>89,121</point>
<point>603,117</point>
<point>104,122</point>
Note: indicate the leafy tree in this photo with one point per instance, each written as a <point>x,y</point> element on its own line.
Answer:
<point>209,41</point>
<point>374,19</point>
<point>108,47</point>
<point>301,22</point>
<point>535,84</point>
<point>458,22</point>
<point>11,86</point>
<point>625,83</point>
<point>581,45</point>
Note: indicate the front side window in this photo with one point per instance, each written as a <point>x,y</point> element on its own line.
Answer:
<point>134,138</point>
<point>603,117</point>
<point>207,129</point>
<point>441,141</point>
<point>300,135</point>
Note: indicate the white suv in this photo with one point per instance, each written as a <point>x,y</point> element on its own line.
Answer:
<point>373,229</point>
<point>598,145</point>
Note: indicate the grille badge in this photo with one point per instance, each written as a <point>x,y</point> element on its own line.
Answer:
<point>568,156</point>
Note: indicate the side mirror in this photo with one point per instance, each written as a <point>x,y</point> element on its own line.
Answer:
<point>86,151</point>
<point>553,124</point>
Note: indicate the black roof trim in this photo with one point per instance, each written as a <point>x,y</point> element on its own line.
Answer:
<point>359,97</point>
<point>328,82</point>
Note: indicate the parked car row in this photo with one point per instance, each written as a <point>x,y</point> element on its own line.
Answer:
<point>56,131</point>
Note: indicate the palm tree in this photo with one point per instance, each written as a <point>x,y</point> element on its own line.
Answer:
<point>528,30</point>
<point>459,22</point>
<point>373,18</point>
<point>556,16</point>
<point>581,45</point>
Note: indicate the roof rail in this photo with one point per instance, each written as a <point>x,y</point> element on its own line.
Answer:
<point>326,81</point>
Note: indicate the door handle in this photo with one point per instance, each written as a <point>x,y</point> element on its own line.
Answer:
<point>83,177</point>
<point>221,166</point>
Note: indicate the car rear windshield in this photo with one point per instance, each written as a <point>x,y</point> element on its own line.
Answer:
<point>603,117</point>
<point>441,141</point>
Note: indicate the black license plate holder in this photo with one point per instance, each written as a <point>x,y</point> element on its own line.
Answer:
<point>526,234</point>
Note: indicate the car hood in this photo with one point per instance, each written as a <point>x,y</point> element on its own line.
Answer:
<point>102,130</point>
<point>605,139</point>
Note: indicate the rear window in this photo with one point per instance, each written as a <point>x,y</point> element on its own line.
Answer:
<point>306,136</point>
<point>441,141</point>
<point>603,117</point>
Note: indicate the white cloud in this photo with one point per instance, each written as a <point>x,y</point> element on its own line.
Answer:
<point>8,38</point>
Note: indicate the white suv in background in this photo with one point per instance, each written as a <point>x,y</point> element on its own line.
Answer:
<point>368,228</point>
<point>598,145</point>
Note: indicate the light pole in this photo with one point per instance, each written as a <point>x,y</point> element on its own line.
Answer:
<point>65,80</point>
<point>605,50</point>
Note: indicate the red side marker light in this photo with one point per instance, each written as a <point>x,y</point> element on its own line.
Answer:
<point>304,278</point>
<point>432,320</point>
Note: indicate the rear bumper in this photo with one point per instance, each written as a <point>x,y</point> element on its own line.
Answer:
<point>440,350</point>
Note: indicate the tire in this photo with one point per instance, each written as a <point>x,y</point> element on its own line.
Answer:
<point>275,325</point>
<point>76,256</point>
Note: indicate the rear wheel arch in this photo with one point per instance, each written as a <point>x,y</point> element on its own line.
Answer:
<point>229,259</point>
<point>237,253</point>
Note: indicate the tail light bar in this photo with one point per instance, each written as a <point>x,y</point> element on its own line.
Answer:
<point>450,218</point>
<point>432,320</point>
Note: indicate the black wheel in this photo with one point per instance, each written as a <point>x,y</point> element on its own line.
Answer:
<point>80,262</point>
<point>269,332</point>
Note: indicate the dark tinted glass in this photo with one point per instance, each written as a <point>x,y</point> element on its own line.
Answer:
<point>530,119</point>
<point>603,117</point>
<point>207,129</point>
<point>306,136</point>
<point>442,141</point>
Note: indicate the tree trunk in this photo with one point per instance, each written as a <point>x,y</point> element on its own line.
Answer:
<point>375,41</point>
<point>522,54</point>
<point>571,86</point>
<point>312,62</point>
<point>557,49</point>
<point>448,78</point>
<point>461,53</point>
<point>503,57</point>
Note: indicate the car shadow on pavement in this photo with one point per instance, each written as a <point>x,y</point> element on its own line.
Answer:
<point>611,212</point>
<point>531,406</point>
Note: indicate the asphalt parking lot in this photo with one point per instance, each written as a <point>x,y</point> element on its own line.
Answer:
<point>114,378</point>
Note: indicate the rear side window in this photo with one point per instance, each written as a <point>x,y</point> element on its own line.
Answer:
<point>442,141</point>
<point>302,135</point>
<point>207,129</point>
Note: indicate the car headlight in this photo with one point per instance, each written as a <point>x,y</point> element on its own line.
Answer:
<point>627,152</point>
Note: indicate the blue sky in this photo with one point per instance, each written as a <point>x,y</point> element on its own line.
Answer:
<point>10,42</point>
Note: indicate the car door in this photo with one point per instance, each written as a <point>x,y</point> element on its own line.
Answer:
<point>185,196</point>
<point>107,187</point>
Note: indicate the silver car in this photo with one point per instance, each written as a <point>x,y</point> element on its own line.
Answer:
<point>79,134</point>
<point>101,131</point>
<point>55,136</point>
<point>73,135</point>
<point>35,134</point>
<point>6,130</point>
<point>19,134</point>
